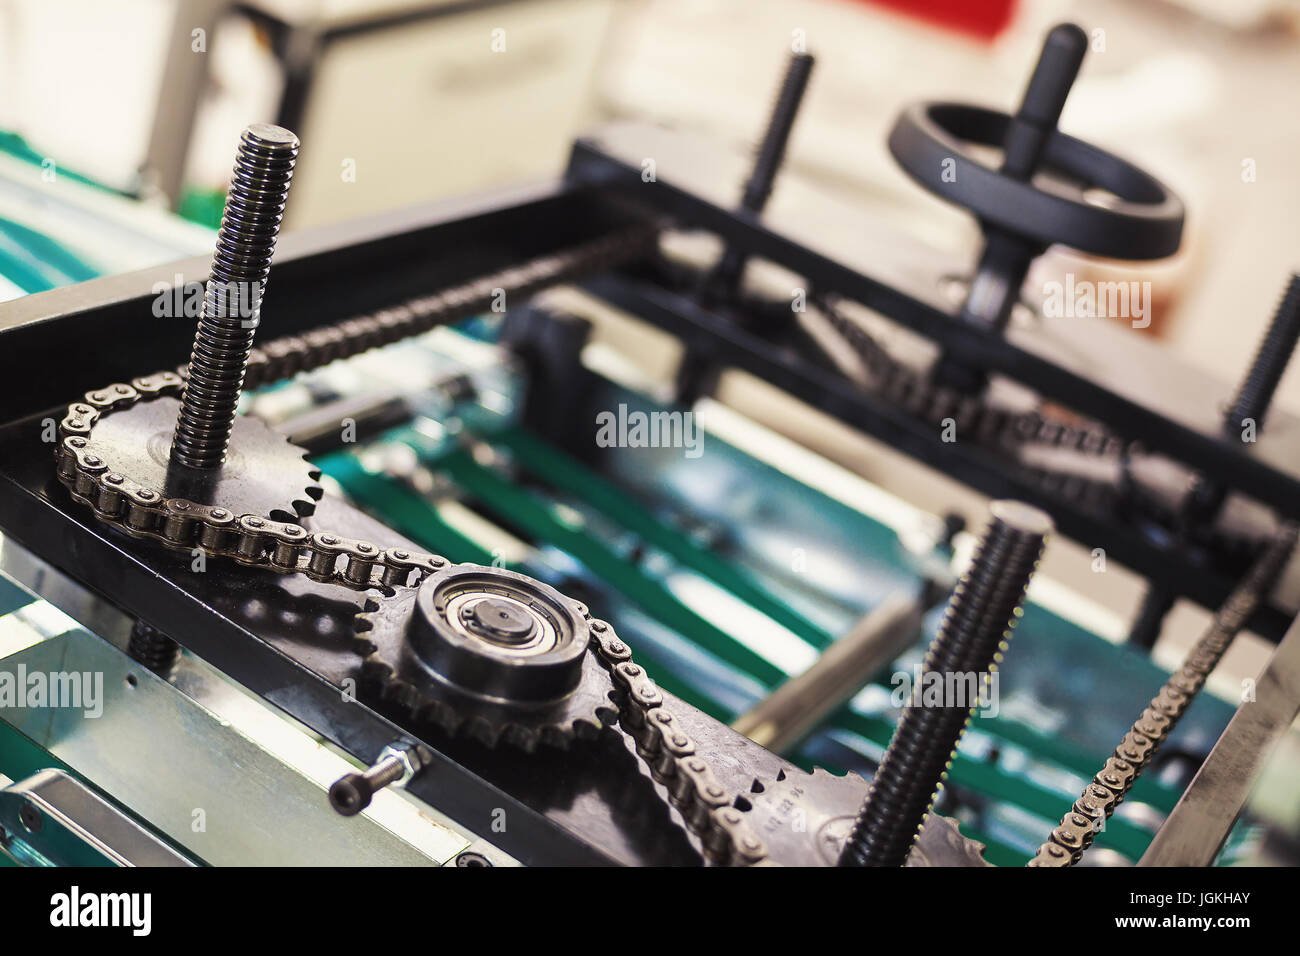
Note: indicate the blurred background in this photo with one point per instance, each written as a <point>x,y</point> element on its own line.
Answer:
<point>116,115</point>
<point>118,123</point>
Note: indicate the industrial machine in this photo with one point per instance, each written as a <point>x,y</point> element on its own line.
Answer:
<point>425,573</point>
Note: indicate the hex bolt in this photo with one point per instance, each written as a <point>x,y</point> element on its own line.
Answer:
<point>981,614</point>
<point>397,763</point>
<point>232,303</point>
<point>725,277</point>
<point>1253,397</point>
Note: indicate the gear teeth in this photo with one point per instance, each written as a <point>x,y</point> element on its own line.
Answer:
<point>831,799</point>
<point>823,773</point>
<point>376,671</point>
<point>513,734</point>
<point>379,640</point>
<point>438,714</point>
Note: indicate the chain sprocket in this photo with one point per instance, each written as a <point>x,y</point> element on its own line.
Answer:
<point>263,473</point>
<point>489,653</point>
<point>257,540</point>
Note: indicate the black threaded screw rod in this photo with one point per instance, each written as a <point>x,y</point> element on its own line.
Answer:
<point>152,648</point>
<point>1275,350</point>
<point>232,302</point>
<point>1252,401</point>
<point>768,159</point>
<point>771,151</point>
<point>981,614</point>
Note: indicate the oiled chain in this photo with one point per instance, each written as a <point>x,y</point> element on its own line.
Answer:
<point>250,539</point>
<point>1068,841</point>
<point>287,356</point>
<point>670,754</point>
<point>991,426</point>
<point>258,541</point>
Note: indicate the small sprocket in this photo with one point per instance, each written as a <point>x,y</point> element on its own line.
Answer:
<point>489,653</point>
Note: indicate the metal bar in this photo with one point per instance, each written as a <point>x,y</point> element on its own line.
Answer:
<point>110,329</point>
<point>1195,831</point>
<point>54,819</point>
<point>787,715</point>
<point>184,80</point>
<point>273,811</point>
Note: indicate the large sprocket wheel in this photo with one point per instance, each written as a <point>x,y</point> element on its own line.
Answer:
<point>263,474</point>
<point>489,653</point>
<point>805,818</point>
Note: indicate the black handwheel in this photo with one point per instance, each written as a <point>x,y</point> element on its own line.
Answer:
<point>1021,217</point>
<point>1143,221</point>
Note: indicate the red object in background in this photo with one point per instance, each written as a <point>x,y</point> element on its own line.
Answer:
<point>983,19</point>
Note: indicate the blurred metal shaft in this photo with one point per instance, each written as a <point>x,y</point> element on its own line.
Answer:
<point>786,716</point>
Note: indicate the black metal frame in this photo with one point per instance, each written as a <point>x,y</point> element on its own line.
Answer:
<point>282,637</point>
<point>1170,408</point>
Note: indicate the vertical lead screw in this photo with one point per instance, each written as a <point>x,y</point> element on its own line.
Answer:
<point>1252,401</point>
<point>981,614</point>
<point>1270,362</point>
<point>767,162</point>
<point>232,303</point>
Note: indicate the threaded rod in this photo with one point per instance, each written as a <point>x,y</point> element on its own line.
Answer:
<point>232,303</point>
<point>152,648</point>
<point>767,161</point>
<point>980,616</point>
<point>1279,342</point>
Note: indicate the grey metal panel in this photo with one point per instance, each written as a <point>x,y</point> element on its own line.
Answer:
<point>165,757</point>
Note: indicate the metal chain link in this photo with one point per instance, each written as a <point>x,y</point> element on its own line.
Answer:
<point>990,426</point>
<point>287,356</point>
<point>258,541</point>
<point>670,754</point>
<point>1067,843</point>
<point>251,539</point>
